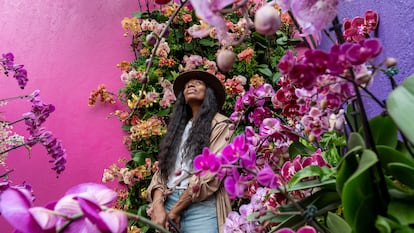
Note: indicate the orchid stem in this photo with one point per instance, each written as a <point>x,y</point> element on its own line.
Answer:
<point>143,220</point>
<point>15,97</point>
<point>295,22</point>
<point>151,59</point>
<point>6,173</point>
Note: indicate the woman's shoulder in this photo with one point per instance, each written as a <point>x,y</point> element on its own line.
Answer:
<point>218,118</point>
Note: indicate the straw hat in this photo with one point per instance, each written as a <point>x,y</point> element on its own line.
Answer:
<point>209,79</point>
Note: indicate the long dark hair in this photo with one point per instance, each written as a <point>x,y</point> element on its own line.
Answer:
<point>199,136</point>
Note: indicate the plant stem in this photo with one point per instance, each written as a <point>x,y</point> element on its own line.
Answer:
<point>14,122</point>
<point>14,97</point>
<point>6,173</point>
<point>15,147</point>
<point>151,59</point>
<point>143,220</point>
<point>295,22</point>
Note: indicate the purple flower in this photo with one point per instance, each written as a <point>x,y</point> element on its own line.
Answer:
<point>16,208</point>
<point>287,62</point>
<point>233,223</point>
<point>358,54</point>
<point>233,151</point>
<point>271,127</point>
<point>87,200</point>
<point>285,230</point>
<point>235,184</point>
<point>267,177</point>
<point>207,162</point>
<point>306,229</point>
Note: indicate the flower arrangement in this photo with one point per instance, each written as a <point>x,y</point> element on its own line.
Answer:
<point>304,157</point>
<point>303,144</point>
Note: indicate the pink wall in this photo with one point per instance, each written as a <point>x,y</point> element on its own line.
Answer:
<point>69,48</point>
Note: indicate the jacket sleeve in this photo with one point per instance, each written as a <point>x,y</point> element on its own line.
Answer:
<point>202,187</point>
<point>156,183</point>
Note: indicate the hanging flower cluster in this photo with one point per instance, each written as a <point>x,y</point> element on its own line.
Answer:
<point>7,65</point>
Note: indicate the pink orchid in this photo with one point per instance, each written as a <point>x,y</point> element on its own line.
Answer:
<point>267,177</point>
<point>207,161</point>
<point>88,199</point>
<point>209,12</point>
<point>314,15</point>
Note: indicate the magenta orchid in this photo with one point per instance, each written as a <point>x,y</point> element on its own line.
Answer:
<point>84,208</point>
<point>207,162</point>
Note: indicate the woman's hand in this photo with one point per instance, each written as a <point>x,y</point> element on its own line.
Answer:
<point>175,218</point>
<point>159,214</point>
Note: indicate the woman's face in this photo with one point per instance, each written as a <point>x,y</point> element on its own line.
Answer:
<point>194,92</point>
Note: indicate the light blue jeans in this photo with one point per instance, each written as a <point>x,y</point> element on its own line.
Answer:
<point>198,217</point>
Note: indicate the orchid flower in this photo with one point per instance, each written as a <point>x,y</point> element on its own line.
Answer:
<point>209,12</point>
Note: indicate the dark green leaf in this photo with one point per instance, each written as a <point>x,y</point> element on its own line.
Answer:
<point>354,140</point>
<point>358,196</point>
<point>297,148</point>
<point>337,224</point>
<point>265,71</point>
<point>310,171</point>
<point>402,211</point>
<point>402,172</point>
<point>347,166</point>
<point>207,42</point>
<point>126,127</point>
<point>389,155</point>
<point>384,131</point>
<point>400,105</point>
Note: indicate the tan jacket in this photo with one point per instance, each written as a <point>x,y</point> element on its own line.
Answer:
<point>209,185</point>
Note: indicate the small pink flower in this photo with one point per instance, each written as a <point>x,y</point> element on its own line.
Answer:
<point>207,162</point>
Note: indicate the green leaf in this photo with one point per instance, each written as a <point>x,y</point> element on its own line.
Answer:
<point>311,184</point>
<point>163,112</point>
<point>389,155</point>
<point>337,224</point>
<point>139,156</point>
<point>126,127</point>
<point>347,166</point>
<point>402,172</point>
<point>265,71</point>
<point>400,105</point>
<point>207,42</point>
<point>354,140</point>
<point>297,148</point>
<point>385,225</point>
<point>358,196</point>
<point>403,211</point>
<point>384,131</point>
<point>322,172</point>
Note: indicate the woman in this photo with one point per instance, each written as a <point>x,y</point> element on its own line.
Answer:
<point>193,203</point>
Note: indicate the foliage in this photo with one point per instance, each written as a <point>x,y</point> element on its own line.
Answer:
<point>304,151</point>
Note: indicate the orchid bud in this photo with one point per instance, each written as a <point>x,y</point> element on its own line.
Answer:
<point>390,62</point>
<point>162,2</point>
<point>167,33</point>
<point>151,39</point>
<point>267,20</point>
<point>178,172</point>
<point>225,60</point>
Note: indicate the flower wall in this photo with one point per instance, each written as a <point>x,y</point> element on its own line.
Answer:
<point>68,49</point>
<point>394,36</point>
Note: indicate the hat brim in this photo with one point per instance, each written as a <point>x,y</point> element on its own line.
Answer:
<point>209,79</point>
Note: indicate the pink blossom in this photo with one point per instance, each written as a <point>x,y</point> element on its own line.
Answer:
<point>267,177</point>
<point>207,161</point>
<point>314,15</point>
<point>209,11</point>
